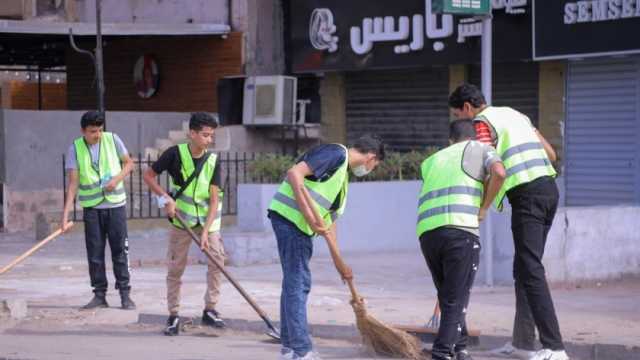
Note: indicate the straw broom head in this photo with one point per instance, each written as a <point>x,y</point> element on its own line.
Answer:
<point>384,339</point>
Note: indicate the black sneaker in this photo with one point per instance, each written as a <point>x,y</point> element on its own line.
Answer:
<point>99,301</point>
<point>173,326</point>
<point>212,318</point>
<point>126,302</point>
<point>463,355</point>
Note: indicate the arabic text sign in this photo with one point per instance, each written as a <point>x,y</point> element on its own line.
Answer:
<point>462,7</point>
<point>335,35</point>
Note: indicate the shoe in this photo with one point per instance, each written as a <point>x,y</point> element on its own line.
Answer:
<point>509,350</point>
<point>173,326</point>
<point>308,356</point>
<point>463,355</point>
<point>286,354</point>
<point>99,301</point>
<point>126,302</point>
<point>212,318</point>
<point>547,354</point>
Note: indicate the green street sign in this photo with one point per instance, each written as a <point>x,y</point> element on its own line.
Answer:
<point>461,7</point>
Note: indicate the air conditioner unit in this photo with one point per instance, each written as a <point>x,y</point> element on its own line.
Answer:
<point>269,100</point>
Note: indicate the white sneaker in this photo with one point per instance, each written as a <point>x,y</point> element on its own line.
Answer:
<point>546,354</point>
<point>308,356</point>
<point>286,354</point>
<point>509,350</point>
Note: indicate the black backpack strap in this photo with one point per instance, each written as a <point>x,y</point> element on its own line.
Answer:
<point>193,175</point>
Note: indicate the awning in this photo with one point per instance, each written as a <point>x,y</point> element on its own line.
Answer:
<point>110,29</point>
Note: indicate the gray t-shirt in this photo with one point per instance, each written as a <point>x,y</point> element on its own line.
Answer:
<point>72,164</point>
<point>476,162</point>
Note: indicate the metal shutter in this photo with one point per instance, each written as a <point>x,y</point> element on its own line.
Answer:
<point>514,85</point>
<point>602,131</point>
<point>407,108</point>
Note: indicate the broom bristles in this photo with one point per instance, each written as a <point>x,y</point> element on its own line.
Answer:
<point>384,339</point>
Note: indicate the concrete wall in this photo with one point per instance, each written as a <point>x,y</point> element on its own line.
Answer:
<point>262,23</point>
<point>333,108</point>
<point>156,11</point>
<point>552,105</point>
<point>33,157</point>
<point>585,244</point>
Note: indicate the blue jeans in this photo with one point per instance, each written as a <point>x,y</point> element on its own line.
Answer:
<point>295,250</point>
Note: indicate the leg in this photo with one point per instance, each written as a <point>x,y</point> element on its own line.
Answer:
<point>177,253</point>
<point>531,220</point>
<point>95,239</point>
<point>524,327</point>
<point>457,263</point>
<point>296,251</point>
<point>214,275</point>
<point>119,244</point>
<point>462,343</point>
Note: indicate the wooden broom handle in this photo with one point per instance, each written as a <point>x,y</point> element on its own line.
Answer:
<point>35,248</point>
<point>331,242</point>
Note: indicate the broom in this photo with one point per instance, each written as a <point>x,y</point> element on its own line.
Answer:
<point>376,335</point>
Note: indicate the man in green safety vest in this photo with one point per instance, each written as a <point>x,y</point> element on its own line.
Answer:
<point>97,163</point>
<point>532,192</point>
<point>197,197</point>
<point>458,185</point>
<point>319,180</point>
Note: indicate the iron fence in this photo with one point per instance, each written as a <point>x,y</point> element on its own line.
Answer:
<point>235,169</point>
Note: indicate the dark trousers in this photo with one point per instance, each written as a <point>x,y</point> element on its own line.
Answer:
<point>533,208</point>
<point>101,225</point>
<point>524,327</point>
<point>453,257</point>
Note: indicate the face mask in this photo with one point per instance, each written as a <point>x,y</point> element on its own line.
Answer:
<point>360,171</point>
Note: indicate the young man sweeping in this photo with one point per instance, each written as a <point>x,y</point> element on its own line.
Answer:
<point>97,163</point>
<point>533,194</point>
<point>459,184</point>
<point>319,179</point>
<point>197,197</point>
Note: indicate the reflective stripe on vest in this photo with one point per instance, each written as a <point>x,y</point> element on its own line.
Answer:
<point>449,197</point>
<point>193,203</point>
<point>323,195</point>
<point>519,147</point>
<point>90,188</point>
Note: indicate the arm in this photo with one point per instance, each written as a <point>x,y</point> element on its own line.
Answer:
<point>151,181</point>
<point>547,147</point>
<point>492,187</point>
<point>211,216</point>
<point>296,175</point>
<point>72,189</point>
<point>127,168</point>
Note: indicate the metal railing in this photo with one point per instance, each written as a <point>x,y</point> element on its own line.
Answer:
<point>140,202</point>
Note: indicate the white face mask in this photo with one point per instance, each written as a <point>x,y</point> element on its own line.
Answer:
<point>360,171</point>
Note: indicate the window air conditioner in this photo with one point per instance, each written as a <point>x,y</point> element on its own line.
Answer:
<point>269,100</point>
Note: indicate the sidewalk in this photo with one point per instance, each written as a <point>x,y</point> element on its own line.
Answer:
<point>397,287</point>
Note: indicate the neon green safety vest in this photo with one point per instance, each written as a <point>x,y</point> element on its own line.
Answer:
<point>193,203</point>
<point>519,147</point>
<point>323,193</point>
<point>449,196</point>
<point>90,190</point>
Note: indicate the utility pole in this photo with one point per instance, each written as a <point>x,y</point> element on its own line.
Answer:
<point>99,61</point>
<point>487,90</point>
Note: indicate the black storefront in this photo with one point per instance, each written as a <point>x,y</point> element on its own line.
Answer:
<point>600,41</point>
<point>396,57</point>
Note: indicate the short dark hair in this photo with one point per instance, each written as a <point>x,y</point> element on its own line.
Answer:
<point>370,143</point>
<point>466,93</point>
<point>92,118</point>
<point>199,120</point>
<point>460,130</point>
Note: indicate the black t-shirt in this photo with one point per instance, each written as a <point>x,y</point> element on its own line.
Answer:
<point>170,161</point>
<point>324,161</point>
